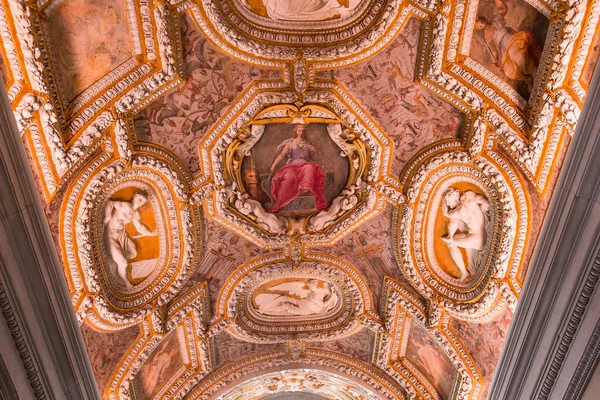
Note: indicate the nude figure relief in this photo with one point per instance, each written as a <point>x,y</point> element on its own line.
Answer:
<point>468,217</point>
<point>297,298</point>
<point>121,247</point>
<point>302,10</point>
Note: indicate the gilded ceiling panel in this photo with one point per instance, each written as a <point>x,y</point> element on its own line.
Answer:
<point>353,188</point>
<point>179,120</point>
<point>106,350</point>
<point>484,342</point>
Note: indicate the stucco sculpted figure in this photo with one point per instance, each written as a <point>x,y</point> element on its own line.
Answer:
<point>302,10</point>
<point>120,246</point>
<point>297,298</point>
<point>468,216</point>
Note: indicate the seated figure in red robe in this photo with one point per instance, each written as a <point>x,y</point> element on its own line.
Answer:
<point>299,172</point>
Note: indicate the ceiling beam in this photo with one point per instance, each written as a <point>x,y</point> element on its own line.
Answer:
<point>554,339</point>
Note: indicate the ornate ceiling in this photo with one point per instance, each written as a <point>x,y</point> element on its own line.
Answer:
<point>267,196</point>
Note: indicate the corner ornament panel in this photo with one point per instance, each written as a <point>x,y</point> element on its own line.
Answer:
<point>129,239</point>
<point>172,354</point>
<point>462,232</point>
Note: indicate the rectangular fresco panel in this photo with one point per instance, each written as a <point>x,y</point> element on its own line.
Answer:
<point>508,39</point>
<point>426,355</point>
<point>162,364</point>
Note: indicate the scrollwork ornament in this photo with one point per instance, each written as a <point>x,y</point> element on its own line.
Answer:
<point>235,137</point>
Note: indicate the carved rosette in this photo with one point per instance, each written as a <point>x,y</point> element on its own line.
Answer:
<point>421,226</point>
<point>99,204</point>
<point>224,150</point>
<point>241,307</point>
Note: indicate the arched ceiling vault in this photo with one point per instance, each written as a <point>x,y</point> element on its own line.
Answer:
<point>338,198</point>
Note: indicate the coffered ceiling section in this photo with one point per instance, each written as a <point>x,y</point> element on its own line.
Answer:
<point>255,198</point>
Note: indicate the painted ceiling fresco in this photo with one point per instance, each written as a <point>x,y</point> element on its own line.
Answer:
<point>262,198</point>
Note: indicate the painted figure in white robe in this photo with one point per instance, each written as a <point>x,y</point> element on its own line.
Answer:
<point>297,298</point>
<point>468,216</point>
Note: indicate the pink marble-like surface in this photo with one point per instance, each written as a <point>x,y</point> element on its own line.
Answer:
<point>106,350</point>
<point>358,345</point>
<point>224,252</point>
<point>228,349</point>
<point>411,115</point>
<point>179,120</point>
<point>369,249</point>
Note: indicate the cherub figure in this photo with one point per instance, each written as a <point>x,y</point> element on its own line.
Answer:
<point>468,216</point>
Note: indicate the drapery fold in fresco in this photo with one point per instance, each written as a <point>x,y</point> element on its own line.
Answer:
<point>508,39</point>
<point>298,174</point>
<point>291,179</point>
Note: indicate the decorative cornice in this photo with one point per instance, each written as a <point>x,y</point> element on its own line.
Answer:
<point>586,367</point>
<point>558,306</point>
<point>583,302</point>
<point>21,345</point>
